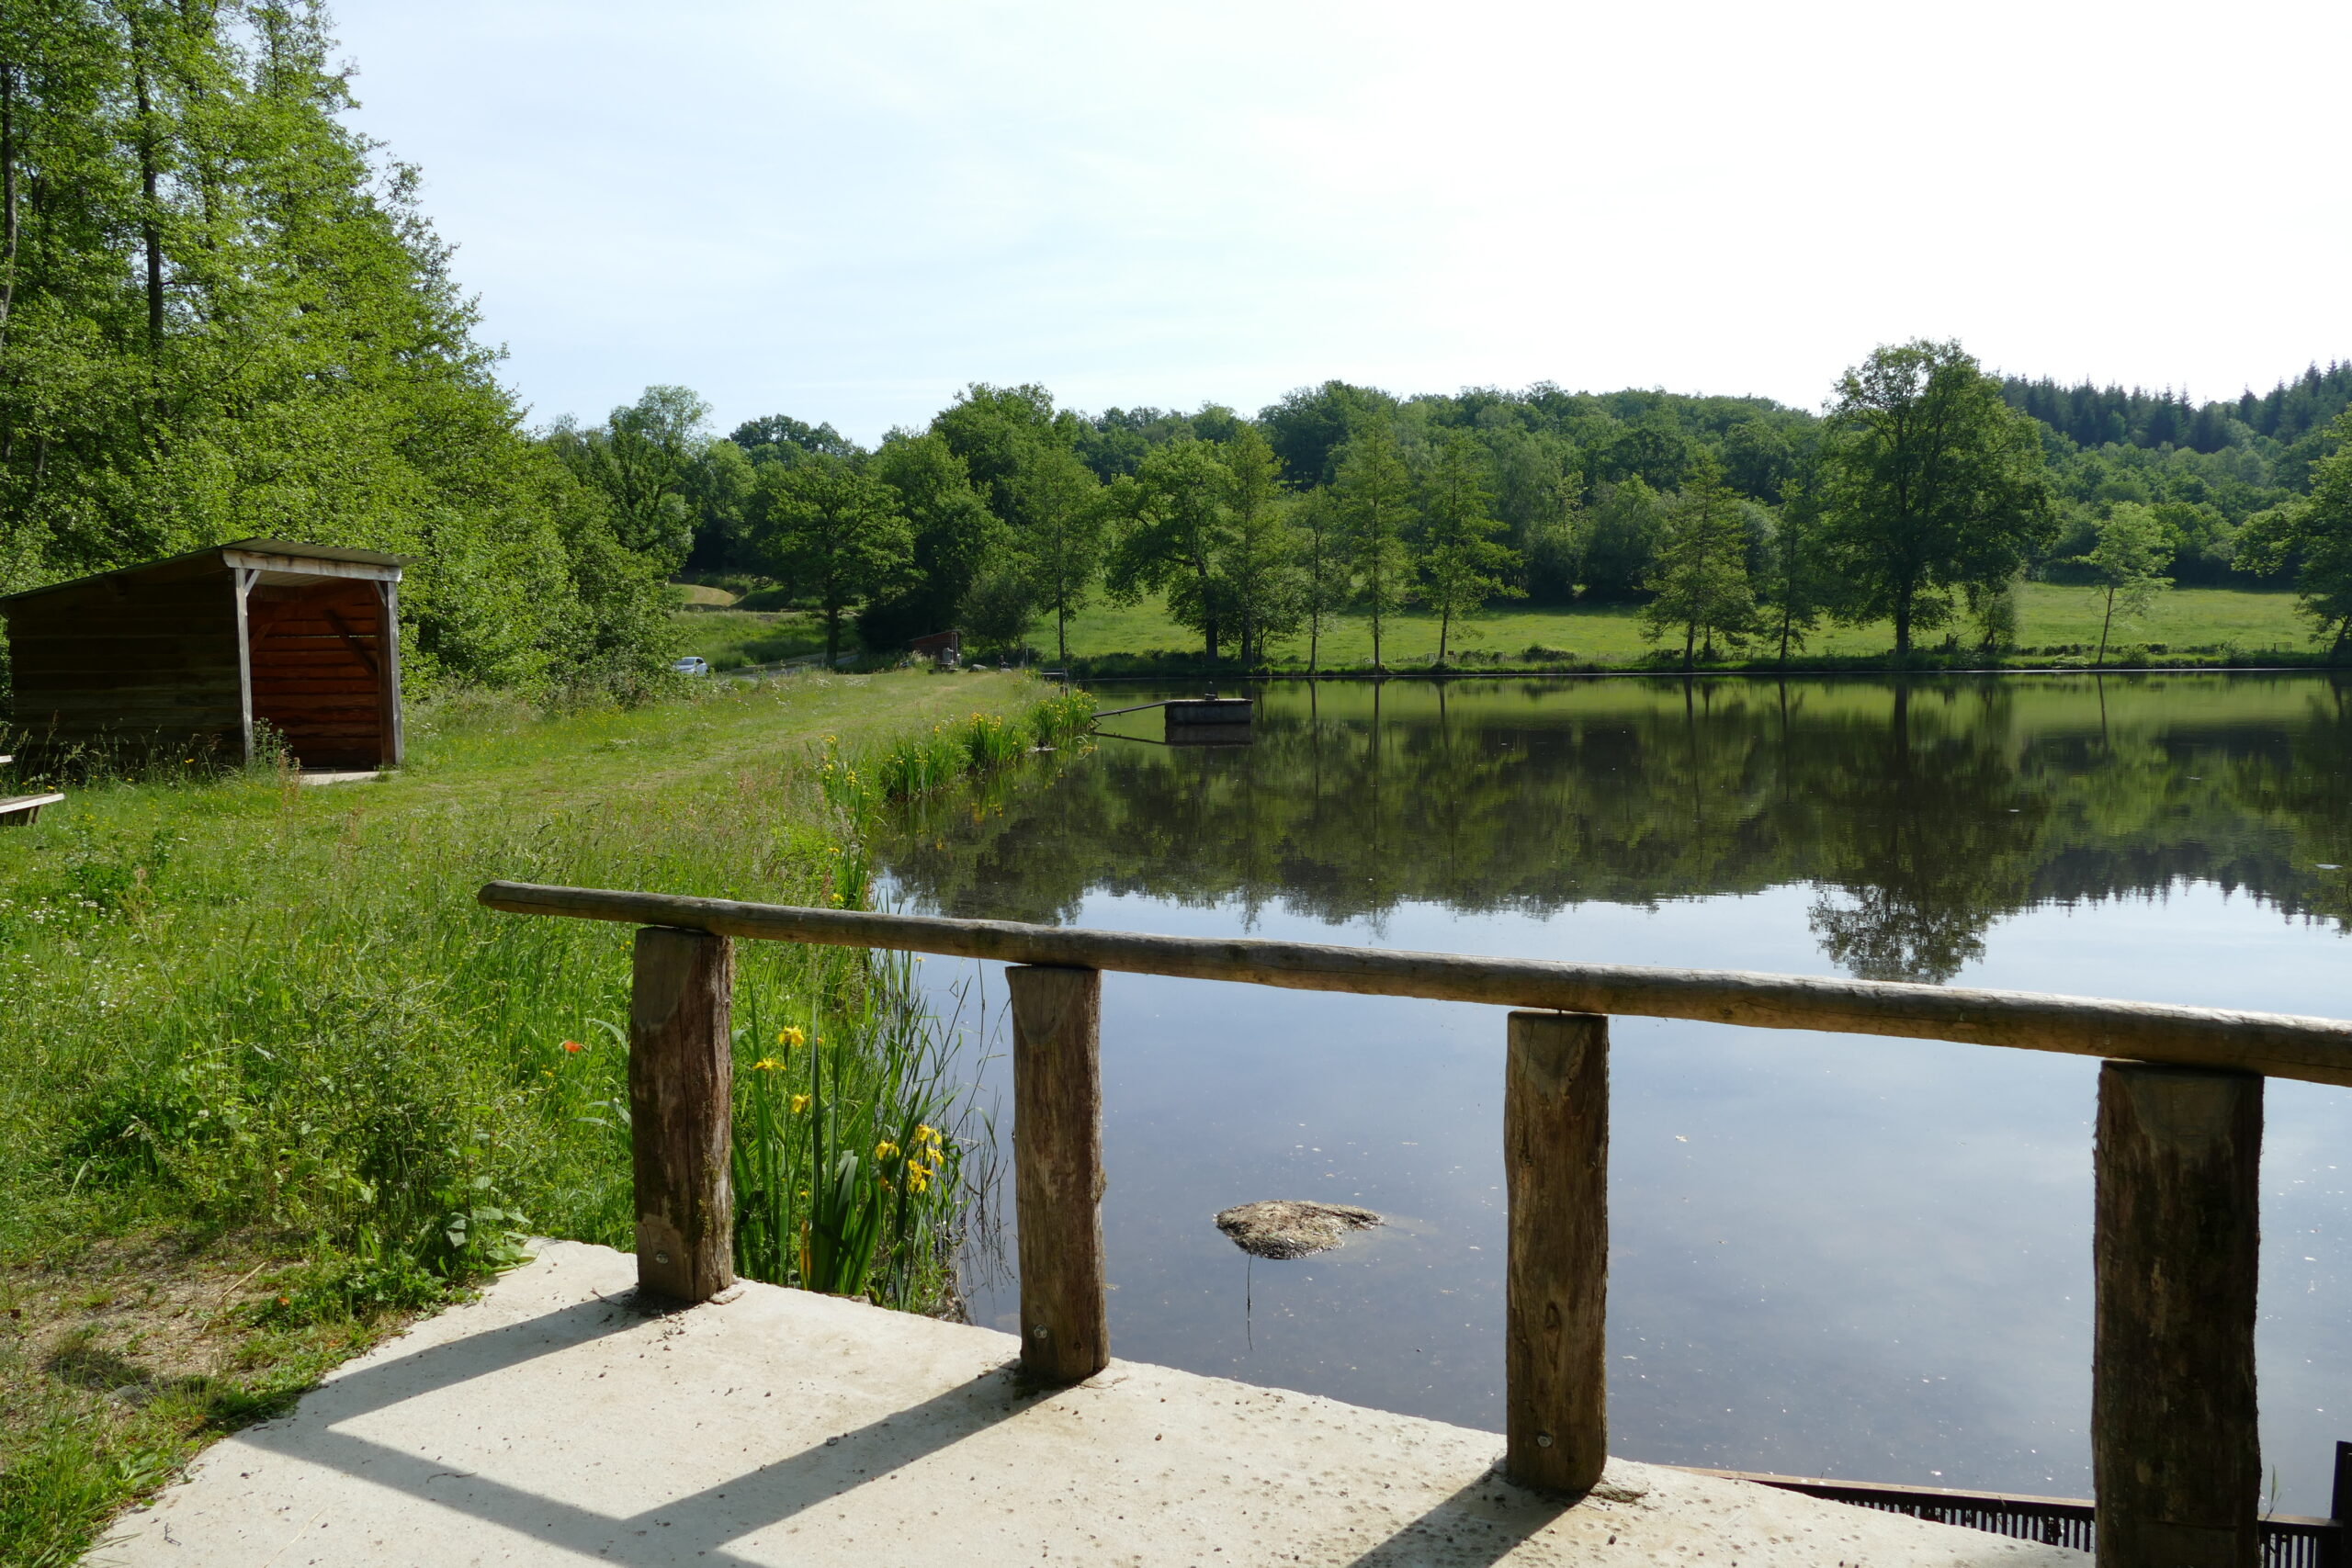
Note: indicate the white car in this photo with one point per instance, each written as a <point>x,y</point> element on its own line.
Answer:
<point>692,664</point>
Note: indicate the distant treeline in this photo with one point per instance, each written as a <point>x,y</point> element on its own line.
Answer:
<point>2293,413</point>
<point>1922,496</point>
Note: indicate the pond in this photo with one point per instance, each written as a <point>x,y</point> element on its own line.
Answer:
<point>1837,1255</point>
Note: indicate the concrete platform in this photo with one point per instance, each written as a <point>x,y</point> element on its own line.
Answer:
<point>549,1422</point>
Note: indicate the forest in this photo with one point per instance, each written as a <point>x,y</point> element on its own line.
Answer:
<point>223,314</point>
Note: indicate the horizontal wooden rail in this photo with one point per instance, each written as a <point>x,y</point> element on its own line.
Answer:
<point>2316,1050</point>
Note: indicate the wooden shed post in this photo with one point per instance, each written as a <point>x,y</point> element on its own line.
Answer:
<point>2175,1455</point>
<point>682,1103</point>
<point>1556,1153</point>
<point>1058,1170</point>
<point>387,659</point>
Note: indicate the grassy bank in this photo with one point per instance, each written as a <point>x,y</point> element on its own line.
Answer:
<point>270,1080</point>
<point>2057,624</point>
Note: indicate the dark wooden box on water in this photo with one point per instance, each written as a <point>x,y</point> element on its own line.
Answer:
<point>196,650</point>
<point>1208,721</point>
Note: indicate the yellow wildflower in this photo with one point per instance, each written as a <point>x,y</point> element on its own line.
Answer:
<point>800,1103</point>
<point>918,1179</point>
<point>886,1150</point>
<point>767,1065</point>
<point>788,1038</point>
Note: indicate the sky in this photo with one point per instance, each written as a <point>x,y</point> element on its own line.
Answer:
<point>847,212</point>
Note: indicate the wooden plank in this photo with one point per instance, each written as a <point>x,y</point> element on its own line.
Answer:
<point>22,810</point>
<point>2175,1457</point>
<point>1556,1161</point>
<point>1058,1170</point>
<point>2318,1050</point>
<point>680,1095</point>
<point>307,566</point>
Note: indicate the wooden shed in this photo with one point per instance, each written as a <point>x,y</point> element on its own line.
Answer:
<point>199,649</point>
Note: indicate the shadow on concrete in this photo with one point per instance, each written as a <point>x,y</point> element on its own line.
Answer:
<point>1481,1524</point>
<point>693,1527</point>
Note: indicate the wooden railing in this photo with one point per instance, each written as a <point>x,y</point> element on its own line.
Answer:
<point>2176,1461</point>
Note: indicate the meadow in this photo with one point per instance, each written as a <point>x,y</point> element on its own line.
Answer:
<point>738,639</point>
<point>271,1080</point>
<point>2055,622</point>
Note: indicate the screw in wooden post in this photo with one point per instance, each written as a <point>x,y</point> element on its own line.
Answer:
<point>2175,1455</point>
<point>1058,1170</point>
<point>682,1103</point>
<point>1555,1153</point>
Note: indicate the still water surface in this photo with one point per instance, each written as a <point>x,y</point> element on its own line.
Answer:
<point>1860,1257</point>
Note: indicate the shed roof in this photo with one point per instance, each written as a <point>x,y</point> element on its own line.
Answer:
<point>257,553</point>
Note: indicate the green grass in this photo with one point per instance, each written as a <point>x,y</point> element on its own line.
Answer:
<point>2207,619</point>
<point>270,1079</point>
<point>736,640</point>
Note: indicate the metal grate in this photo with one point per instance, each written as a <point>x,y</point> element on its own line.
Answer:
<point>2287,1542</point>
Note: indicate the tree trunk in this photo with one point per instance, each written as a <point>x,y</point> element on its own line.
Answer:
<point>1690,639</point>
<point>1903,627</point>
<point>7,194</point>
<point>1444,629</point>
<point>833,634</point>
<point>1313,638</point>
<point>152,231</point>
<point>2105,621</point>
<point>1061,632</point>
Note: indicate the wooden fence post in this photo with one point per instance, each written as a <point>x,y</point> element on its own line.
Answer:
<point>2175,1455</point>
<point>682,1105</point>
<point>1555,1152</point>
<point>1058,1170</point>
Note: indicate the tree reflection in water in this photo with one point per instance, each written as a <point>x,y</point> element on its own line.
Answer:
<point>1919,812</point>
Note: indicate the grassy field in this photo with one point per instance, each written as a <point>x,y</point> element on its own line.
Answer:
<point>736,640</point>
<point>270,1080</point>
<point>2190,618</point>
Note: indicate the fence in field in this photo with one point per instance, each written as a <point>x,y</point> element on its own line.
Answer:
<point>2176,1461</point>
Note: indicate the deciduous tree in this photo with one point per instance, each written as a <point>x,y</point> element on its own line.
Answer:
<point>1463,566</point>
<point>1700,586</point>
<point>2132,546</point>
<point>1929,481</point>
<point>1375,497</point>
<point>834,531</point>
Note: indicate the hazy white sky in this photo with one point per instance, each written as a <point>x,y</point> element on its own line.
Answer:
<point>847,211</point>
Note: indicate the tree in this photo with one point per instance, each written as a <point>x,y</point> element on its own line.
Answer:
<point>1795,587</point>
<point>1620,533</point>
<point>642,458</point>
<point>836,531</point>
<point>1929,481</point>
<point>1059,528</point>
<point>956,539</point>
<point>2132,545</point>
<point>1326,583</point>
<point>1701,584</point>
<point>1179,530</point>
<point>1461,564</point>
<point>1261,568</point>
<point>1374,494</point>
<point>2313,538</point>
